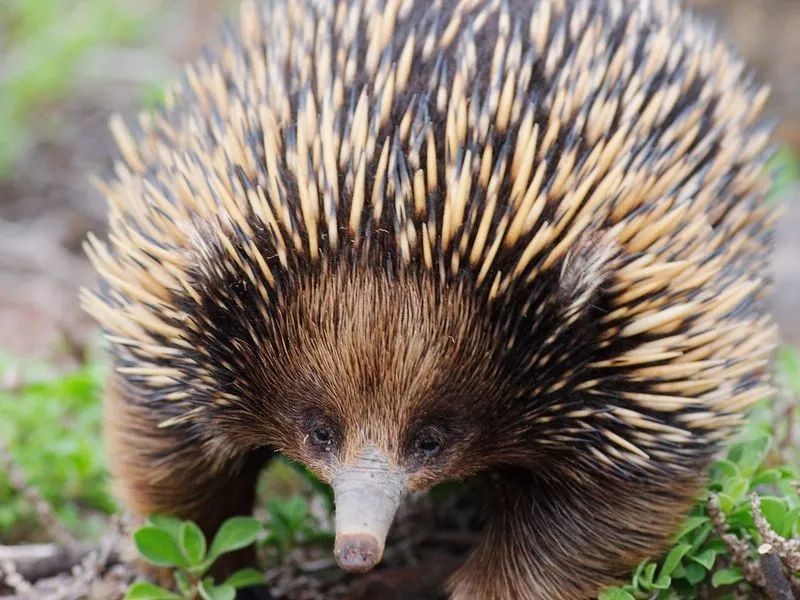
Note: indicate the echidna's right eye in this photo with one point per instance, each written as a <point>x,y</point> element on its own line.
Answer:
<point>322,437</point>
<point>320,432</point>
<point>426,444</point>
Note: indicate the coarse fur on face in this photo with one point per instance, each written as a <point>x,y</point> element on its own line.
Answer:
<point>358,357</point>
<point>438,239</point>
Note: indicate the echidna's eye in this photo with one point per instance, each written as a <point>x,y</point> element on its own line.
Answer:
<point>321,433</point>
<point>428,446</point>
<point>427,442</point>
<point>322,436</point>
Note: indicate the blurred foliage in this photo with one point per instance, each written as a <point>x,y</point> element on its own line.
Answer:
<point>51,425</point>
<point>41,44</point>
<point>785,169</point>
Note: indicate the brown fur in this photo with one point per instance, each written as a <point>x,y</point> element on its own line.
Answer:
<point>559,539</point>
<point>156,472</point>
<point>388,355</point>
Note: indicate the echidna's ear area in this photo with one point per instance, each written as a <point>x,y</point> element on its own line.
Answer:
<point>586,268</point>
<point>613,147</point>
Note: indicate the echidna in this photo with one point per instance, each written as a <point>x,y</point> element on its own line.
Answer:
<point>410,241</point>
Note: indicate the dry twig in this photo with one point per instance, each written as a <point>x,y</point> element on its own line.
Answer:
<point>780,558</point>
<point>740,549</point>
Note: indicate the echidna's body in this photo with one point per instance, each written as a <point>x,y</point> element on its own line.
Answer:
<point>410,241</point>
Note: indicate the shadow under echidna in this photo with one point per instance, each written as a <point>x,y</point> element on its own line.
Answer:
<point>405,242</point>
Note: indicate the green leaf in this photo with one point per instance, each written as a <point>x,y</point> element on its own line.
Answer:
<point>741,517</point>
<point>673,559</point>
<point>245,578</point>
<point>694,573</point>
<point>705,558</point>
<point>290,520</point>
<point>750,454</point>
<point>700,535</point>
<point>663,582</point>
<point>158,547</point>
<point>726,577</point>
<point>736,487</point>
<point>789,473</point>
<point>690,525</point>
<point>766,477</point>
<point>216,592</point>
<point>719,546</point>
<point>774,510</point>
<point>144,590</point>
<point>169,524</point>
<point>235,533</point>
<point>183,583</point>
<point>678,572</point>
<point>193,543</point>
<point>647,576</point>
<point>725,468</point>
<point>615,594</point>
<point>637,574</point>
<point>791,523</point>
<point>726,503</point>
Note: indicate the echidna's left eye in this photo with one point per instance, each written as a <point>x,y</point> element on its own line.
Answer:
<point>426,444</point>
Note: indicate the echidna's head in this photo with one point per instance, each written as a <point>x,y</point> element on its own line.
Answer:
<point>384,381</point>
<point>380,384</point>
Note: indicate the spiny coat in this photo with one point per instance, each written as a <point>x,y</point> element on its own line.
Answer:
<point>521,237</point>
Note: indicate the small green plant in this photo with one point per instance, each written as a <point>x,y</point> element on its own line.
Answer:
<point>169,542</point>
<point>709,550</point>
<point>291,524</point>
<point>298,509</point>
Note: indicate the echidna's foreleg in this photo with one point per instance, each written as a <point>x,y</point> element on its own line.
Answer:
<point>159,470</point>
<point>561,540</point>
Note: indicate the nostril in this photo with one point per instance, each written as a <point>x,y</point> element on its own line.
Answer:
<point>357,552</point>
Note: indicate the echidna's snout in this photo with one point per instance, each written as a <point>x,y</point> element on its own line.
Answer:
<point>367,495</point>
<point>358,552</point>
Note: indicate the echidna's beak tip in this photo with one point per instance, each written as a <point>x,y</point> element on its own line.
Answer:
<point>357,552</point>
